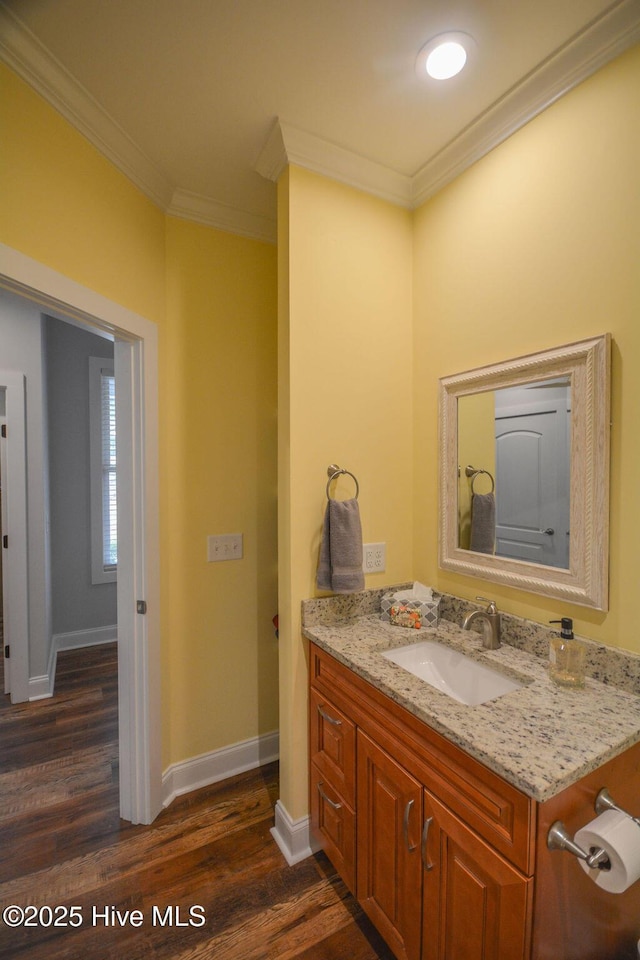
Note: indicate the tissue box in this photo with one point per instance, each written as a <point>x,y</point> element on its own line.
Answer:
<point>410,613</point>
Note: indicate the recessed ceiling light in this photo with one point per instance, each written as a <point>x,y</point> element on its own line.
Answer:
<point>445,55</point>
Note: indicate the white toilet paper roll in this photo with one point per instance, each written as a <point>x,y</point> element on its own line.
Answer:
<point>620,837</point>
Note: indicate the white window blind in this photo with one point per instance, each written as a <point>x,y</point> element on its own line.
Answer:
<point>104,504</point>
<point>109,500</point>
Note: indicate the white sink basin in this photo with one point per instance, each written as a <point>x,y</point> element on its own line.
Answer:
<point>451,672</point>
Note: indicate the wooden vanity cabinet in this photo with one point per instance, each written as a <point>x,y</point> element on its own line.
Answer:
<point>441,852</point>
<point>427,821</point>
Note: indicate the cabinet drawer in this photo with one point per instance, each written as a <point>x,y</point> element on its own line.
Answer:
<point>334,825</point>
<point>333,745</point>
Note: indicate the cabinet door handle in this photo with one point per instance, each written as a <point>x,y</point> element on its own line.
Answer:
<point>407,811</point>
<point>325,716</point>
<point>332,803</point>
<point>425,836</point>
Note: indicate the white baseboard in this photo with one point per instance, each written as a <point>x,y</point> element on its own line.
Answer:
<point>293,836</point>
<point>42,687</point>
<point>84,638</point>
<point>217,765</point>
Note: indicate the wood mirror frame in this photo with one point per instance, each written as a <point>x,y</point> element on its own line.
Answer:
<point>587,363</point>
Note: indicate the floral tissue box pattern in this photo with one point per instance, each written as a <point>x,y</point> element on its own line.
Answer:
<point>410,613</point>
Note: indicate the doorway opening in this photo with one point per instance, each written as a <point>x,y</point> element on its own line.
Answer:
<point>135,361</point>
<point>81,498</point>
<point>5,682</point>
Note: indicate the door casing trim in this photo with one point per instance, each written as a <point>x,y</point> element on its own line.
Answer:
<point>136,357</point>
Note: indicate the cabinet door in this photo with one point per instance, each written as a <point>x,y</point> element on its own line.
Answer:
<point>476,904</point>
<point>389,871</point>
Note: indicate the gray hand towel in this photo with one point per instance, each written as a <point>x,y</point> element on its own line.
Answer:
<point>483,523</point>
<point>340,566</point>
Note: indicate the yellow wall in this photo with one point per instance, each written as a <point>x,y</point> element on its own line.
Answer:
<point>219,460</point>
<point>346,383</point>
<point>213,297</point>
<point>536,245</point>
<point>66,206</point>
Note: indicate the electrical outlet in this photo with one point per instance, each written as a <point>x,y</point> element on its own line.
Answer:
<point>374,557</point>
<point>225,546</point>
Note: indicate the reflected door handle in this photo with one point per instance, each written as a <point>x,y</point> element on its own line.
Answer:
<point>550,531</point>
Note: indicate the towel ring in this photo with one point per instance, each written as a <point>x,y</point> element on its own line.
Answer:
<point>474,474</point>
<point>334,471</point>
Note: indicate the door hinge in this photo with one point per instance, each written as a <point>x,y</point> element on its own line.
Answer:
<point>4,431</point>
<point>7,652</point>
<point>141,606</point>
<point>5,541</point>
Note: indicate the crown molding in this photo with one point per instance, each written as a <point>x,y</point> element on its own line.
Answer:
<point>601,41</point>
<point>31,61</point>
<point>34,64</point>
<point>212,213</point>
<point>286,144</point>
<point>273,157</point>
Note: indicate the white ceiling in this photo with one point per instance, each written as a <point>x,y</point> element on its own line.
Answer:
<point>184,94</point>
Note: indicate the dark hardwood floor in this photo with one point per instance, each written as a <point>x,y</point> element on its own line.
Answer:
<point>205,880</point>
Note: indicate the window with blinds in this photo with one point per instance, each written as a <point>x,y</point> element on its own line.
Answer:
<point>104,503</point>
<point>109,501</point>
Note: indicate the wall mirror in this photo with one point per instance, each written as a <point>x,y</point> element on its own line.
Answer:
<point>524,472</point>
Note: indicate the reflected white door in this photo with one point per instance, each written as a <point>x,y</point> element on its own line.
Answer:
<point>532,487</point>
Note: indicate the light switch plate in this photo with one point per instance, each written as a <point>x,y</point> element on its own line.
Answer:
<point>224,546</point>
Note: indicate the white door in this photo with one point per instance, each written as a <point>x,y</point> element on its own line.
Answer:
<point>14,537</point>
<point>532,486</point>
<point>3,527</point>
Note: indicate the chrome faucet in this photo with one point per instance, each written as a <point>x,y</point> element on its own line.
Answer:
<point>491,623</point>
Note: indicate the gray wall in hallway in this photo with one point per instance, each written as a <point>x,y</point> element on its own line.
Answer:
<point>77,604</point>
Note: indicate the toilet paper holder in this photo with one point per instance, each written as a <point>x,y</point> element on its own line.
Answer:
<point>604,802</point>
<point>559,839</point>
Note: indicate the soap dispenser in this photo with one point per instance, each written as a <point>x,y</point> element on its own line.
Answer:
<point>566,656</point>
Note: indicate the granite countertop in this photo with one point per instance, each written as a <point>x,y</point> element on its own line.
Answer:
<point>541,738</point>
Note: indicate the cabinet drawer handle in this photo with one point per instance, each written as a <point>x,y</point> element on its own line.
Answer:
<point>332,803</point>
<point>425,836</point>
<point>325,716</point>
<point>407,811</point>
